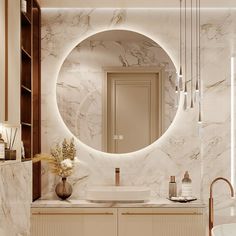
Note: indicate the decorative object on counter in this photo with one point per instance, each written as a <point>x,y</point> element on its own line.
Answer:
<point>117,176</point>
<point>186,186</point>
<point>2,148</point>
<point>24,6</point>
<point>182,199</point>
<point>61,161</point>
<point>63,189</point>
<point>10,153</point>
<point>172,187</point>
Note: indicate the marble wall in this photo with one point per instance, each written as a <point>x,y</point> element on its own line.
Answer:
<point>203,149</point>
<point>15,198</point>
<point>80,84</point>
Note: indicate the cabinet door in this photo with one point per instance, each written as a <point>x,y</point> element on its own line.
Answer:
<point>2,61</point>
<point>161,222</point>
<point>9,106</point>
<point>14,62</point>
<point>135,222</point>
<point>73,222</point>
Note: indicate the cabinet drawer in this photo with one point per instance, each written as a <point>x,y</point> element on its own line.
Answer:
<point>161,222</point>
<point>73,222</point>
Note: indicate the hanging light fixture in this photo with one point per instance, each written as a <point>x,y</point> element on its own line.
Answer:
<point>185,56</point>
<point>191,55</point>
<point>199,65</point>
<point>179,77</point>
<point>197,56</point>
<point>191,87</point>
<point>180,84</point>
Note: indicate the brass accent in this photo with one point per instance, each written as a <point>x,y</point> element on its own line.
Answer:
<point>162,214</point>
<point>117,176</point>
<point>211,205</point>
<point>78,213</point>
<point>6,60</point>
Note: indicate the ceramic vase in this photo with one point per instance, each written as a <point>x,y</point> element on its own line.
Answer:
<point>63,189</point>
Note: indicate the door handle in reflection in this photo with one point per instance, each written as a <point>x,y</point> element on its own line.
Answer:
<point>118,137</point>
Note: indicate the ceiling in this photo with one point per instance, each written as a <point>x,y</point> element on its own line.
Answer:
<point>131,3</point>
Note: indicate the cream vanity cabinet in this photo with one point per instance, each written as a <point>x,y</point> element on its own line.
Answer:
<point>73,222</point>
<point>118,222</point>
<point>161,222</point>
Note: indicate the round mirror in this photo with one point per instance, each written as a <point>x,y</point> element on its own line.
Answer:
<point>116,91</point>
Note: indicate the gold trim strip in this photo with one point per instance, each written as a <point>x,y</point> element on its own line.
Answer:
<point>162,214</point>
<point>78,213</point>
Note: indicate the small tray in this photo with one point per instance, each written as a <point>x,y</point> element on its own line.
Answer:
<point>183,199</point>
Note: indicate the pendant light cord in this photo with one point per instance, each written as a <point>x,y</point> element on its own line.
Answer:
<point>191,53</point>
<point>199,46</point>
<point>185,47</point>
<point>197,60</point>
<point>180,36</point>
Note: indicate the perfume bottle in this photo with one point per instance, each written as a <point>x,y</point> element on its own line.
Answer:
<point>172,187</point>
<point>186,185</point>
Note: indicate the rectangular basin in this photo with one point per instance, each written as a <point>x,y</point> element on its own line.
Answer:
<point>118,194</point>
<point>224,230</point>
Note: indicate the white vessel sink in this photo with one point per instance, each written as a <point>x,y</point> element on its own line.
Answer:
<point>224,230</point>
<point>118,193</point>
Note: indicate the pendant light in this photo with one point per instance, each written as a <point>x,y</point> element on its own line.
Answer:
<point>191,55</point>
<point>185,56</point>
<point>185,48</point>
<point>180,84</point>
<point>191,78</point>
<point>199,65</point>
<point>197,56</point>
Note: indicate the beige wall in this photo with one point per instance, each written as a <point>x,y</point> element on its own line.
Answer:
<point>2,62</point>
<point>14,61</point>
<point>13,66</point>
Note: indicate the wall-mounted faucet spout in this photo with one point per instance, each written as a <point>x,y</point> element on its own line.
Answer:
<point>211,205</point>
<point>117,176</point>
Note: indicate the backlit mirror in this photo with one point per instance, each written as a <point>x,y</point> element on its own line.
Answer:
<point>116,91</point>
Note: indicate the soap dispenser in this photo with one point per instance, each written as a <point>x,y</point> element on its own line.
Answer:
<point>186,185</point>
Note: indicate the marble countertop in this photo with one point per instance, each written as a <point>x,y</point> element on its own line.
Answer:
<point>163,203</point>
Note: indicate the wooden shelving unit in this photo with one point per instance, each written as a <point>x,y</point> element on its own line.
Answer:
<point>30,88</point>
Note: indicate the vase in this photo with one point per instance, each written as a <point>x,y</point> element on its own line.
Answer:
<point>63,189</point>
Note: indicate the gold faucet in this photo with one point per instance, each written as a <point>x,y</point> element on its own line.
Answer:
<point>211,205</point>
<point>117,176</point>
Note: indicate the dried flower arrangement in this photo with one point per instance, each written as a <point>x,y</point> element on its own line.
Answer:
<point>62,158</point>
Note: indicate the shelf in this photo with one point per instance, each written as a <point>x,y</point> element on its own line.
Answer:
<point>25,54</point>
<point>25,19</point>
<point>30,89</point>
<point>26,159</point>
<point>26,124</point>
<point>9,162</point>
<point>25,88</point>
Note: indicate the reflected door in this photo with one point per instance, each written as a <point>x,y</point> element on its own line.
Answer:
<point>132,111</point>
